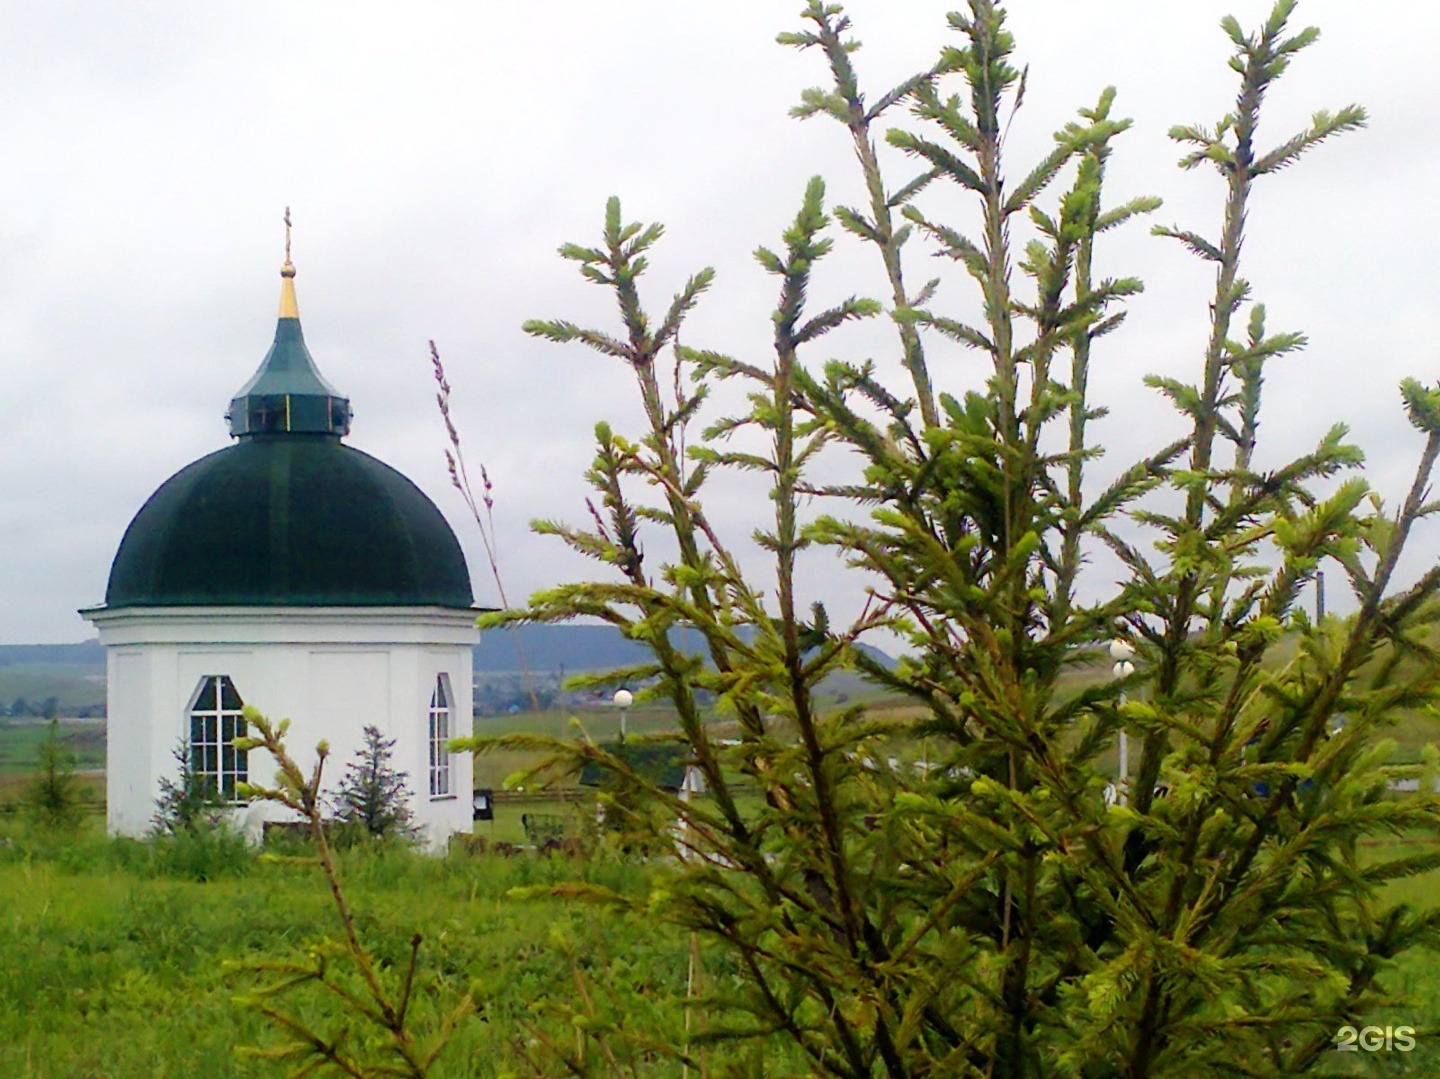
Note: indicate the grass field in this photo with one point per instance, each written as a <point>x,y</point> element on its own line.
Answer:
<point>121,959</point>
<point>112,963</point>
<point>20,740</point>
<point>117,963</point>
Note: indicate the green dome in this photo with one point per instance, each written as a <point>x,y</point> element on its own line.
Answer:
<point>288,516</point>
<point>288,520</point>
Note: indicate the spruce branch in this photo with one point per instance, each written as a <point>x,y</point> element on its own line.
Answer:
<point>401,1050</point>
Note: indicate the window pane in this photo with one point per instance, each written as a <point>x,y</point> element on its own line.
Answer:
<point>439,734</point>
<point>229,699</point>
<point>215,722</point>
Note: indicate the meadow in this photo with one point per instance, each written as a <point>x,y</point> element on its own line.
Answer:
<point>122,959</point>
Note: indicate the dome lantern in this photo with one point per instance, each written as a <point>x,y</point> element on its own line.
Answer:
<point>288,395</point>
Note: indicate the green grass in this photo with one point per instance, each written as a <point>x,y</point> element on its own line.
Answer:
<point>112,963</point>
<point>576,808</point>
<point>117,960</point>
<point>20,739</point>
<point>602,724</point>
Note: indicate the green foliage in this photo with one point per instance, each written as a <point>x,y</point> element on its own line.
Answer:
<point>992,915</point>
<point>190,836</point>
<point>199,854</point>
<point>189,803</point>
<point>111,967</point>
<point>662,765</point>
<point>53,796</point>
<point>372,796</point>
<point>387,1025</point>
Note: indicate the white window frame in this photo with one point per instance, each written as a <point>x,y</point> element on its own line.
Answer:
<point>213,760</point>
<point>440,731</point>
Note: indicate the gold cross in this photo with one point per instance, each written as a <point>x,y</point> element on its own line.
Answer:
<point>287,234</point>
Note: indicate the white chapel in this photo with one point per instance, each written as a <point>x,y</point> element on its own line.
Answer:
<point>294,573</point>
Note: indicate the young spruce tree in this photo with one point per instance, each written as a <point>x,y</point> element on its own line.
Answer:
<point>994,914</point>
<point>53,796</point>
<point>373,796</point>
<point>189,803</point>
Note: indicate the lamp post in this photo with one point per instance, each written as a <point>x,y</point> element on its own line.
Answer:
<point>1120,652</point>
<point>691,784</point>
<point>623,700</point>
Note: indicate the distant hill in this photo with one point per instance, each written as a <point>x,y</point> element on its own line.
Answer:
<point>578,648</point>
<point>84,652</point>
<point>548,649</point>
<point>45,679</point>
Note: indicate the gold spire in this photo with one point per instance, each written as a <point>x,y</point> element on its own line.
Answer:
<point>289,308</point>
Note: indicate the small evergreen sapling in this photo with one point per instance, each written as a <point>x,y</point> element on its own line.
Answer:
<point>189,803</point>
<point>53,796</point>
<point>373,795</point>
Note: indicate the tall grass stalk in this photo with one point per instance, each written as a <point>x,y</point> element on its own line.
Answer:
<point>460,479</point>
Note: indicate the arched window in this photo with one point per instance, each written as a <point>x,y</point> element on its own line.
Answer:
<point>216,720</point>
<point>439,739</point>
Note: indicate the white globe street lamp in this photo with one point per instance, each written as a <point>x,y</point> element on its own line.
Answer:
<point>1120,652</point>
<point>623,700</point>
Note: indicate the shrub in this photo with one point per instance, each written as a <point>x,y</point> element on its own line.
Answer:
<point>201,853</point>
<point>188,803</point>
<point>373,798</point>
<point>53,797</point>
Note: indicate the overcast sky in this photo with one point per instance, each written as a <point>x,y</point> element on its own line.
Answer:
<point>436,154</point>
